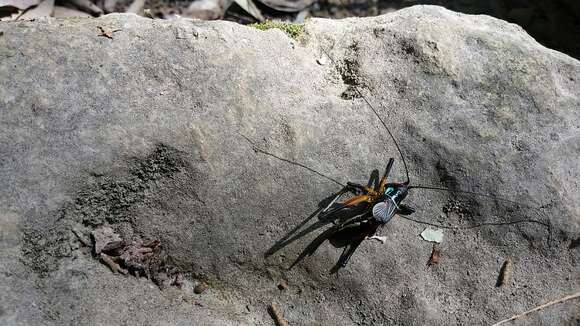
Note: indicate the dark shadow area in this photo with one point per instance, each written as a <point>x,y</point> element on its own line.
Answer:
<point>349,228</point>
<point>292,236</point>
<point>555,23</point>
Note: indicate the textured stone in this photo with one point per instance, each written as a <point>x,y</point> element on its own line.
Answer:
<point>143,132</point>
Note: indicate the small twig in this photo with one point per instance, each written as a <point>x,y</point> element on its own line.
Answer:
<point>276,313</point>
<point>540,307</point>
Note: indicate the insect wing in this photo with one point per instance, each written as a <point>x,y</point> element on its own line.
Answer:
<point>341,212</point>
<point>384,211</point>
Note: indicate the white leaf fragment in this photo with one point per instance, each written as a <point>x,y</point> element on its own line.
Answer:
<point>432,235</point>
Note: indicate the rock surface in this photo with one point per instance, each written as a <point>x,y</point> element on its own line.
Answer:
<point>143,132</point>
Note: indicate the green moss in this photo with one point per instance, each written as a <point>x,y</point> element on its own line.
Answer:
<point>293,30</point>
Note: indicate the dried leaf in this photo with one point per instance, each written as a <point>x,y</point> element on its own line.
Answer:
<point>107,32</point>
<point>435,256</point>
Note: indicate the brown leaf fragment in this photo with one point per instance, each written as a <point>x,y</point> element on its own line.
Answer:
<point>504,273</point>
<point>112,265</point>
<point>276,313</point>
<point>435,256</point>
<point>107,32</point>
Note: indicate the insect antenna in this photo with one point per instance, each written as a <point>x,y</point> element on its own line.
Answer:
<point>473,193</point>
<point>376,114</point>
<point>478,225</point>
<point>257,149</point>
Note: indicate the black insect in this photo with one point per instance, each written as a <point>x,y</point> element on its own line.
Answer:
<point>357,211</point>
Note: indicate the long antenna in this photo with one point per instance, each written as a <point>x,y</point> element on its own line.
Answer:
<point>257,149</point>
<point>470,193</point>
<point>376,113</point>
<point>537,210</point>
<point>478,225</point>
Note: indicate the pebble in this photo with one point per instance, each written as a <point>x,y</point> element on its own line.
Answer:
<point>200,288</point>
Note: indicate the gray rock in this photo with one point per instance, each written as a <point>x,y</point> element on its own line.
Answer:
<point>102,236</point>
<point>143,132</point>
